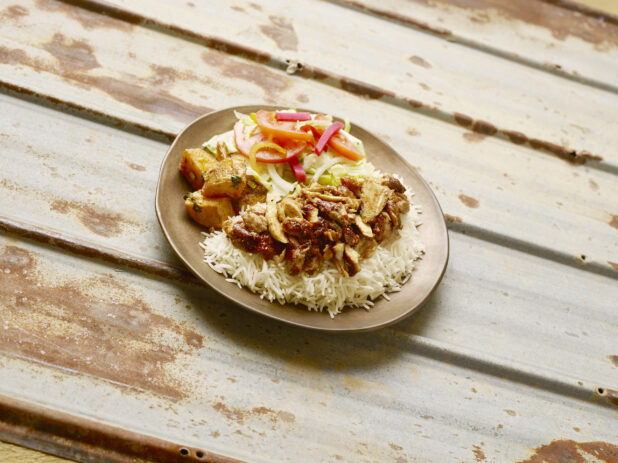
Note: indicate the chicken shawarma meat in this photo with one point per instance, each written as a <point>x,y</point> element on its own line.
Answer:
<point>343,224</point>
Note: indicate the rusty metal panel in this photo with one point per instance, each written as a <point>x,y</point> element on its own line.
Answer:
<point>566,38</point>
<point>173,361</point>
<point>441,77</point>
<point>110,351</point>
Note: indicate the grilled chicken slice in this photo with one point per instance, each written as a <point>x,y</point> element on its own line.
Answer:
<point>289,208</point>
<point>353,260</point>
<point>363,227</point>
<point>393,183</point>
<point>255,220</point>
<point>382,227</point>
<point>338,251</point>
<point>253,193</point>
<point>274,226</point>
<point>374,197</point>
<point>366,247</point>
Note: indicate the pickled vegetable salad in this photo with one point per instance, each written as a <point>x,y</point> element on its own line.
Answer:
<point>289,148</point>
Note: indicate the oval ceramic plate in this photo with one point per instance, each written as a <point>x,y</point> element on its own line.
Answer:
<point>184,235</point>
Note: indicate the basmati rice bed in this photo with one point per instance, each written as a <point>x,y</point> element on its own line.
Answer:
<point>386,270</point>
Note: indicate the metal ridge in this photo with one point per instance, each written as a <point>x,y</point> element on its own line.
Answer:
<point>92,250</point>
<point>524,373</point>
<point>486,48</point>
<point>362,88</point>
<point>583,9</point>
<point>88,113</point>
<point>456,224</point>
<point>350,85</point>
<point>76,246</point>
<point>221,44</point>
<point>67,435</point>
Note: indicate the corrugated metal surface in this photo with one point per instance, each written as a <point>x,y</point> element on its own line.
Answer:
<point>100,322</point>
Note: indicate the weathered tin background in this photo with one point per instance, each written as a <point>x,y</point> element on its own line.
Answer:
<point>109,351</point>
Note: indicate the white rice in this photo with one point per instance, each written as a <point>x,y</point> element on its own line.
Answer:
<point>386,270</point>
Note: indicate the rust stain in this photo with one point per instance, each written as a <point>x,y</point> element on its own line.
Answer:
<point>88,19</point>
<point>424,86</point>
<point>163,74</point>
<point>585,156</point>
<point>594,186</point>
<point>614,222</point>
<point>302,98</point>
<point>97,220</point>
<point>560,22</point>
<point>481,18</point>
<point>7,184</point>
<point>89,250</point>
<point>272,84</point>
<point>469,201</point>
<point>484,128</point>
<point>137,167</point>
<point>14,12</point>
<point>256,6</point>
<point>146,98</point>
<point>561,451</point>
<point>213,57</point>
<point>281,31</point>
<point>414,103</point>
<point>74,55</point>
<point>363,89</point>
<point>479,455</point>
<point>74,58</point>
<point>613,264</point>
<point>515,137</point>
<point>511,412</point>
<point>97,326</point>
<point>238,8</point>
<point>406,19</point>
<point>463,120</point>
<point>13,56</point>
<point>453,218</point>
<point>584,130</point>
<point>558,150</point>
<point>611,395</point>
<point>473,137</point>
<point>419,61</point>
<point>239,415</point>
<point>395,447</point>
<point>412,132</point>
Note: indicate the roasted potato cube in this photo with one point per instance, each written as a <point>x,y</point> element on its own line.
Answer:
<point>195,163</point>
<point>228,178</point>
<point>210,212</point>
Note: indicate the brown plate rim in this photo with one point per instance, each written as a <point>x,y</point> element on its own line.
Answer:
<point>369,327</point>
